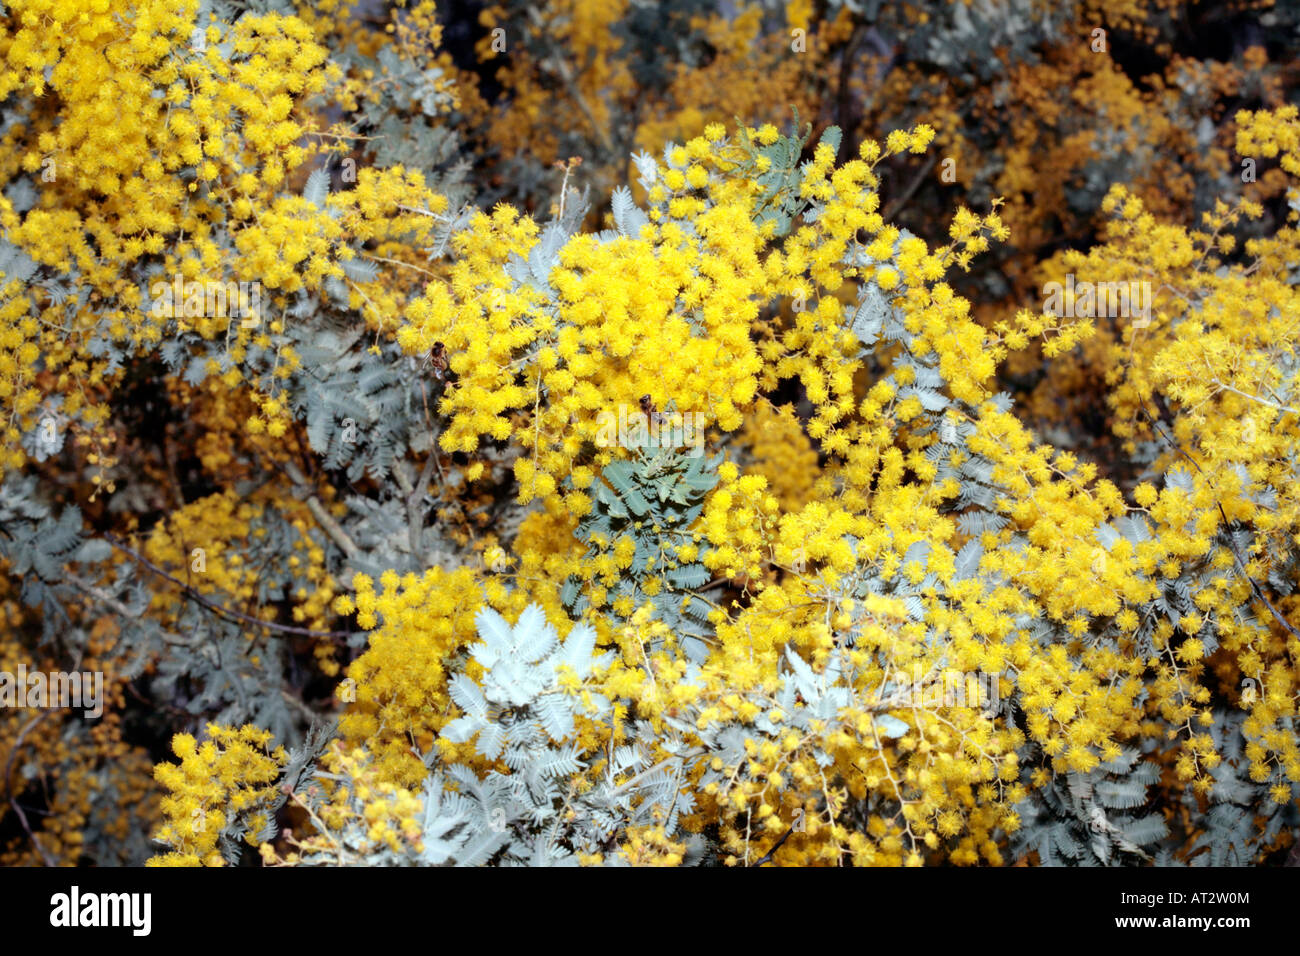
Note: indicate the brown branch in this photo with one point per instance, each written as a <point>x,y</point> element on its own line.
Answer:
<point>843,95</point>
<point>299,706</point>
<point>13,800</point>
<point>768,857</point>
<point>323,517</point>
<point>104,597</point>
<point>897,205</point>
<point>414,512</point>
<point>220,610</point>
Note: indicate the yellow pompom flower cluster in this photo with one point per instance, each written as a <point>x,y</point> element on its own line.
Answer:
<point>230,773</point>
<point>1204,377</point>
<point>549,374</point>
<point>651,846</point>
<point>400,681</point>
<point>198,545</point>
<point>1271,133</point>
<point>735,517</point>
<point>390,812</point>
<point>91,779</point>
<point>162,142</point>
<point>782,453</point>
<point>166,130</point>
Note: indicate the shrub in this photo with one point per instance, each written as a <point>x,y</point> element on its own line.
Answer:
<point>911,482</point>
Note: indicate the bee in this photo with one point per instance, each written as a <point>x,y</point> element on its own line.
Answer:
<point>438,359</point>
<point>651,413</point>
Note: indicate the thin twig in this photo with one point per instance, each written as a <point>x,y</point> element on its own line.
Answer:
<point>775,847</point>
<point>561,67</point>
<point>399,262</point>
<point>198,598</point>
<point>1227,533</point>
<point>414,512</point>
<point>299,706</point>
<point>623,787</point>
<point>897,205</point>
<point>13,800</point>
<point>1256,398</point>
<point>322,516</point>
